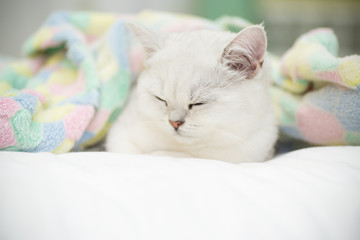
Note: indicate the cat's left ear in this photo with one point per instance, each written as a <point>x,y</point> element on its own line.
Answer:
<point>150,40</point>
<point>245,53</point>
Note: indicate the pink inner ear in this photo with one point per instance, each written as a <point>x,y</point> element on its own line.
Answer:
<point>257,38</point>
<point>246,52</point>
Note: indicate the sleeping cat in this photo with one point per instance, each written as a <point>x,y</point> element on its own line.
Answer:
<point>201,94</point>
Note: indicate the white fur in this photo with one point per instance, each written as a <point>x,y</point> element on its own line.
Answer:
<point>236,122</point>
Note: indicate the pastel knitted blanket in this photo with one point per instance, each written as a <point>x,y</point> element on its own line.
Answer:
<point>79,68</point>
<point>317,94</point>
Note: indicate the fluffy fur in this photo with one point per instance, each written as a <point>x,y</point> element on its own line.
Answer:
<point>201,94</point>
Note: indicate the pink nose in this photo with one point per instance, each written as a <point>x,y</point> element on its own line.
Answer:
<point>175,124</point>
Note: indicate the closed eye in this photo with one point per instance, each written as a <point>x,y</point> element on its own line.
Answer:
<point>162,100</point>
<point>195,104</point>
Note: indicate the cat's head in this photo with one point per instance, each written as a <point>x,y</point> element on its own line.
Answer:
<point>198,82</point>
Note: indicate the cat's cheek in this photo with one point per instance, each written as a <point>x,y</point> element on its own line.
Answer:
<point>160,117</point>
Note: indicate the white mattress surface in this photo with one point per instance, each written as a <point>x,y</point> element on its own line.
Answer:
<point>308,194</point>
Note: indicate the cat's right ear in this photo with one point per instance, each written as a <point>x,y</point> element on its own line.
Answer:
<point>150,40</point>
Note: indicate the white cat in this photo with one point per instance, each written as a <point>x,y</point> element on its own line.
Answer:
<point>201,94</point>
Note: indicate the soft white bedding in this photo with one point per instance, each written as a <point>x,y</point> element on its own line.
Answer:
<point>308,194</point>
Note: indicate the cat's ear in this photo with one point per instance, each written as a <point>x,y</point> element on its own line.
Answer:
<point>245,53</point>
<point>150,40</point>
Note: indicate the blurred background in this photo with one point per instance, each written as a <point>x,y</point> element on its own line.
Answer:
<point>284,20</point>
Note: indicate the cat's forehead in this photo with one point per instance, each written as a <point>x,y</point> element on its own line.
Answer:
<point>201,49</point>
<point>186,59</point>
<point>183,72</point>
<point>185,64</point>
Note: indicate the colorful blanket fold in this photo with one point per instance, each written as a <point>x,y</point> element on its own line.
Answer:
<point>66,92</point>
<point>316,94</point>
<point>77,74</point>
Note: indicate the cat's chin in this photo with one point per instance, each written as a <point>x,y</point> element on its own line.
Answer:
<point>183,138</point>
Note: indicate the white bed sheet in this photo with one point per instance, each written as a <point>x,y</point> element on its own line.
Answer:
<point>307,194</point>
